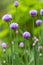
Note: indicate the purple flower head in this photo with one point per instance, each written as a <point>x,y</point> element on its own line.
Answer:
<point>21,45</point>
<point>14,26</point>
<point>4,45</point>
<point>16,3</point>
<point>41,12</point>
<point>26,35</point>
<point>38,22</point>
<point>33,13</point>
<point>7,17</point>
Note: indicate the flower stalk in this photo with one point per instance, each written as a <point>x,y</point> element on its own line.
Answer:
<point>10,36</point>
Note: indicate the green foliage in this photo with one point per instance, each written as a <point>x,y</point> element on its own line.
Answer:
<point>22,17</point>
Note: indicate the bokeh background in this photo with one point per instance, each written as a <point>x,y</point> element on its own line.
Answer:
<point>22,18</point>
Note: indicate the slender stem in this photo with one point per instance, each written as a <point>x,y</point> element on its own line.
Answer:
<point>35,48</point>
<point>41,34</point>
<point>14,41</point>
<point>41,41</point>
<point>16,15</point>
<point>42,56</point>
<point>10,38</point>
<point>5,58</point>
<point>36,54</point>
<point>40,61</point>
<point>33,28</point>
<point>26,57</point>
<point>14,31</point>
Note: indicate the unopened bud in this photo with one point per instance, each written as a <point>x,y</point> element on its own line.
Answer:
<point>40,48</point>
<point>4,50</point>
<point>17,32</point>
<point>12,43</point>
<point>40,54</point>
<point>34,44</point>
<point>4,61</point>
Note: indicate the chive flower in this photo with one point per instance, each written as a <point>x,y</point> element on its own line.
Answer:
<point>38,22</point>
<point>4,45</point>
<point>26,35</point>
<point>33,13</point>
<point>41,12</point>
<point>16,4</point>
<point>21,45</point>
<point>7,18</point>
<point>14,26</point>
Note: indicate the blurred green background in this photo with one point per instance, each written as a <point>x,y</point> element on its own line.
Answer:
<point>22,18</point>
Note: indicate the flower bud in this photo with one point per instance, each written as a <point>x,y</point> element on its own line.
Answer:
<point>41,12</point>
<point>26,35</point>
<point>40,54</point>
<point>7,18</point>
<point>16,4</point>
<point>33,13</point>
<point>14,26</point>
<point>40,48</point>
<point>21,45</point>
<point>38,22</point>
<point>4,45</point>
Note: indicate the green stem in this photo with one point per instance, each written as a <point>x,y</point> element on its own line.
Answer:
<point>5,58</point>
<point>35,48</point>
<point>26,57</point>
<point>10,38</point>
<point>14,41</point>
<point>33,28</point>
<point>36,54</point>
<point>14,31</point>
<point>40,60</point>
<point>41,34</point>
<point>16,15</point>
<point>42,56</point>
